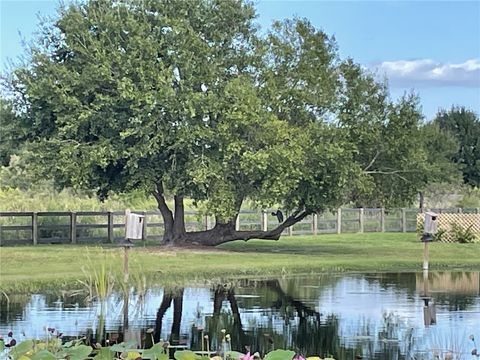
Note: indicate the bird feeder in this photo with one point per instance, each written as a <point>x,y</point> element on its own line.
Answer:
<point>133,231</point>
<point>134,226</point>
<point>429,226</point>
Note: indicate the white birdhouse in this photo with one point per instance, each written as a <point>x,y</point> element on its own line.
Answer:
<point>134,226</point>
<point>430,226</point>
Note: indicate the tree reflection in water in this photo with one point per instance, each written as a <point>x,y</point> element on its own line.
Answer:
<point>311,315</point>
<point>303,329</point>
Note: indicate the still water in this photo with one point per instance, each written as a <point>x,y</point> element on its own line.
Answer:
<point>376,316</point>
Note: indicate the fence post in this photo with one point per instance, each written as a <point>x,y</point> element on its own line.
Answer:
<point>144,226</point>
<point>73,227</point>
<point>404,220</point>
<point>110,227</point>
<point>35,228</point>
<point>315,224</point>
<point>382,219</point>
<point>264,220</point>
<point>460,210</point>
<point>237,222</point>
<point>339,221</point>
<point>361,219</point>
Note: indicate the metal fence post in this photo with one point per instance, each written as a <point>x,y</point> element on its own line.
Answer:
<point>404,220</point>
<point>315,224</point>
<point>35,228</point>
<point>361,219</point>
<point>73,227</point>
<point>339,221</point>
<point>110,227</point>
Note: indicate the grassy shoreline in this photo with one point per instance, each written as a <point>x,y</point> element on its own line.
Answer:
<point>27,268</point>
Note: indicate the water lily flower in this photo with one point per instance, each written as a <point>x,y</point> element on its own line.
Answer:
<point>247,356</point>
<point>298,357</point>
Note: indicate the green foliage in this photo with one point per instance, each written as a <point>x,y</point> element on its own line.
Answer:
<point>124,346</point>
<point>280,355</point>
<point>470,198</point>
<point>156,352</point>
<point>104,353</point>
<point>185,355</point>
<point>185,96</point>
<point>12,131</point>
<point>463,235</point>
<point>464,125</point>
<point>21,349</point>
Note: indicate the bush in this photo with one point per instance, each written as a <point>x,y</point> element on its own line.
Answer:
<point>463,236</point>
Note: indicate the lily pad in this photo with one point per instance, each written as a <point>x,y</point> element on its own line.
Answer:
<point>18,350</point>
<point>156,352</point>
<point>185,355</point>
<point>234,355</point>
<point>43,355</point>
<point>79,352</point>
<point>104,354</point>
<point>280,355</point>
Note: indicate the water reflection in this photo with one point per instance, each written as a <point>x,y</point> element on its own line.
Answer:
<point>377,316</point>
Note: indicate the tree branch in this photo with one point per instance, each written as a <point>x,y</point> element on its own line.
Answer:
<point>392,172</point>
<point>372,162</point>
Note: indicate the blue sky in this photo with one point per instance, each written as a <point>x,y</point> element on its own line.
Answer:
<point>430,47</point>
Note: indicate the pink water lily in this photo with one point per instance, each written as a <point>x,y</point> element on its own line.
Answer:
<point>298,357</point>
<point>247,356</point>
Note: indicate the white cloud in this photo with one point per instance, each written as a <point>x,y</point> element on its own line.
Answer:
<point>429,73</point>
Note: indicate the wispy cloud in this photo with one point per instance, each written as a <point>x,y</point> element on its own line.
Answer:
<point>429,73</point>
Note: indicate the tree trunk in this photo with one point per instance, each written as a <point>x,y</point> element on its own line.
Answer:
<point>421,201</point>
<point>223,231</point>
<point>167,214</point>
<point>166,302</point>
<point>177,317</point>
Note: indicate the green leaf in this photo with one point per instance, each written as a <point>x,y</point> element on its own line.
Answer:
<point>123,346</point>
<point>185,355</point>
<point>234,355</point>
<point>156,352</point>
<point>79,352</point>
<point>280,355</point>
<point>105,353</point>
<point>18,350</point>
<point>44,355</point>
<point>2,345</point>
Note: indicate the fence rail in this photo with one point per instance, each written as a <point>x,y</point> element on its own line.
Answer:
<point>108,226</point>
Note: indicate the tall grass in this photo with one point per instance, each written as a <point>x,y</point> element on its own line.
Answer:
<point>99,277</point>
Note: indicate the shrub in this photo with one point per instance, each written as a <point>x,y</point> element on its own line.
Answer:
<point>463,236</point>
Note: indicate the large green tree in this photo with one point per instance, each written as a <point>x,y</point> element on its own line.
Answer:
<point>186,99</point>
<point>464,126</point>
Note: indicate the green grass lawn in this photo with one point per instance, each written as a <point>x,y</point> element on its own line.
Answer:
<point>29,267</point>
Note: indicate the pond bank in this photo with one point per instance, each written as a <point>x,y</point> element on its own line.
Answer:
<point>24,268</point>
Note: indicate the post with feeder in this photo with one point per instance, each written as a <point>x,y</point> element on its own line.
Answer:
<point>429,231</point>
<point>133,231</point>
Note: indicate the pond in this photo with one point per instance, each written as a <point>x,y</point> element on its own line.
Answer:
<point>376,316</point>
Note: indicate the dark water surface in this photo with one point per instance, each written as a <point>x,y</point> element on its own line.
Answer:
<point>377,316</point>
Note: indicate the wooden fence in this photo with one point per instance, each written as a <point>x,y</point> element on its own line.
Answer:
<point>108,227</point>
